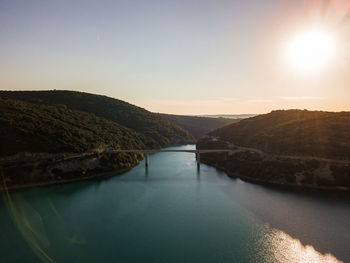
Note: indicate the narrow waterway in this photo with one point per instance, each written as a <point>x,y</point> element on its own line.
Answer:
<point>172,212</point>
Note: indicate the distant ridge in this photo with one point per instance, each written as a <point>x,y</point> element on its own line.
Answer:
<point>199,126</point>
<point>228,116</point>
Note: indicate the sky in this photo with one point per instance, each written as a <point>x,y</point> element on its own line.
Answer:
<point>180,56</point>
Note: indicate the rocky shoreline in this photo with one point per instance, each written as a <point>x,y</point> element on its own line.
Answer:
<point>256,166</point>
<point>33,171</point>
<point>270,183</point>
<point>65,181</point>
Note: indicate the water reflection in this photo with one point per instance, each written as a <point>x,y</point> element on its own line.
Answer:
<point>146,172</point>
<point>285,249</point>
<point>198,173</point>
<point>270,244</point>
<point>317,218</point>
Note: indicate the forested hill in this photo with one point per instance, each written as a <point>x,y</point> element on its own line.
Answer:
<point>159,131</point>
<point>198,126</point>
<point>27,127</point>
<point>293,132</point>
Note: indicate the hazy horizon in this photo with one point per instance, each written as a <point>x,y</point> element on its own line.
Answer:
<point>177,57</point>
<point>214,115</point>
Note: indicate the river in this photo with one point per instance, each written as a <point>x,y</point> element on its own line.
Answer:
<point>172,212</point>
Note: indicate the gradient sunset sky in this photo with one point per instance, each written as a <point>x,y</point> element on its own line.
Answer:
<point>181,56</point>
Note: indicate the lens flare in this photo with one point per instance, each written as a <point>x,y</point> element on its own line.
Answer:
<point>310,51</point>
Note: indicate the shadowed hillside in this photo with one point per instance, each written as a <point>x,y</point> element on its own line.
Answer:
<point>293,147</point>
<point>42,144</point>
<point>27,127</point>
<point>161,131</point>
<point>299,132</point>
<point>198,126</point>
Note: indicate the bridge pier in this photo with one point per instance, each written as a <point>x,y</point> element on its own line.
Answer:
<point>146,159</point>
<point>198,159</point>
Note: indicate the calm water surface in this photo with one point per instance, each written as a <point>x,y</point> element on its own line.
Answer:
<point>173,213</point>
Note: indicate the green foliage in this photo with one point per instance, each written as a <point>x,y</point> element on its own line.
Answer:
<point>254,166</point>
<point>156,131</point>
<point>120,160</point>
<point>293,132</point>
<point>27,127</point>
<point>284,134</point>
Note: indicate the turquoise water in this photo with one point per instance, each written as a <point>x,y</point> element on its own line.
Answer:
<point>173,213</point>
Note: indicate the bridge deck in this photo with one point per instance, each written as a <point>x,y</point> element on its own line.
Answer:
<point>169,150</point>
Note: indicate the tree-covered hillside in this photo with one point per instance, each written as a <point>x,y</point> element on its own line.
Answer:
<point>294,132</point>
<point>27,127</point>
<point>160,131</point>
<point>198,126</point>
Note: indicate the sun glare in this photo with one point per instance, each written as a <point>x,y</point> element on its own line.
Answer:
<point>310,51</point>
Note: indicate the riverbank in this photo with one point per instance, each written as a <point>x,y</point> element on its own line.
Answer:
<point>276,184</point>
<point>65,181</point>
<point>49,170</point>
<point>257,166</point>
<point>45,169</point>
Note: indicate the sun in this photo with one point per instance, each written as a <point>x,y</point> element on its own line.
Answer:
<point>310,51</point>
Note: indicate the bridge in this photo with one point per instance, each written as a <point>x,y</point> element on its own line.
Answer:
<point>147,152</point>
